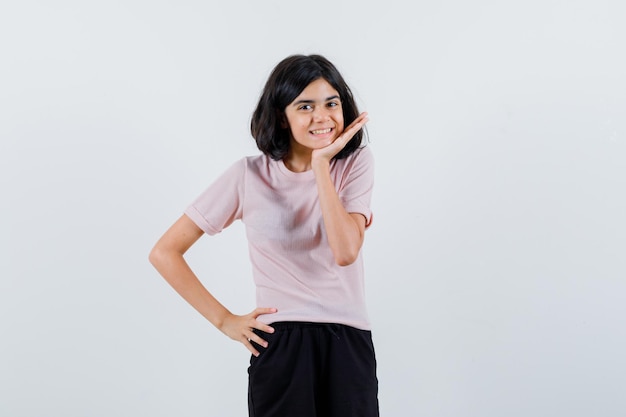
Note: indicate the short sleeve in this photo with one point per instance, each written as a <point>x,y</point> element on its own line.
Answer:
<point>357,184</point>
<point>221,203</point>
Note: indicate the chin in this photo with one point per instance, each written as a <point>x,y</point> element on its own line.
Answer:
<point>324,144</point>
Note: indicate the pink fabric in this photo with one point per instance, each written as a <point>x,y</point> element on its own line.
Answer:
<point>292,264</point>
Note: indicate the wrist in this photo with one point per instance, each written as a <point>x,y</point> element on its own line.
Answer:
<point>220,320</point>
<point>320,164</point>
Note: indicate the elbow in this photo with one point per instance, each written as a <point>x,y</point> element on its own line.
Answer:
<point>344,262</point>
<point>347,253</point>
<point>346,258</point>
<point>155,256</point>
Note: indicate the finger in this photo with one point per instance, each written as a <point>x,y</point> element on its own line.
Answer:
<point>255,324</point>
<point>358,123</point>
<point>259,311</point>
<point>259,325</point>
<point>253,337</point>
<point>257,339</point>
<point>251,348</point>
<point>361,119</point>
<point>354,127</point>
<point>263,327</point>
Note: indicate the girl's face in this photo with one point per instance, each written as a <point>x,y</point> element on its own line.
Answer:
<point>315,117</point>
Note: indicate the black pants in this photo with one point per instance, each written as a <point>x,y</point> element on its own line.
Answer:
<point>314,370</point>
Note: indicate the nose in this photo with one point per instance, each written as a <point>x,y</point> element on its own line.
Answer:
<point>321,113</point>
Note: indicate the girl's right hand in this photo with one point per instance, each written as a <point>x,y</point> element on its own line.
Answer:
<point>240,328</point>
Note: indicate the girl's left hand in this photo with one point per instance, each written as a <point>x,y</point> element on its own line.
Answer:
<point>328,152</point>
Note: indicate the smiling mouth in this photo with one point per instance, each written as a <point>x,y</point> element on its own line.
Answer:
<point>321,131</point>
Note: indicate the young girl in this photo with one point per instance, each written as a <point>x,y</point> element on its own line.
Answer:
<point>305,203</point>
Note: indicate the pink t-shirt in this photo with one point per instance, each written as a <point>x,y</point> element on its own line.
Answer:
<point>292,264</point>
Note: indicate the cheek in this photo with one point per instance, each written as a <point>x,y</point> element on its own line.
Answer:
<point>300,125</point>
<point>339,121</point>
<point>294,123</point>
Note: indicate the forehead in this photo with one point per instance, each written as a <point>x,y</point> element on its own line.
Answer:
<point>319,89</point>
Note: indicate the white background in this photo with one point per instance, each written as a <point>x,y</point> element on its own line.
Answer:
<point>496,264</point>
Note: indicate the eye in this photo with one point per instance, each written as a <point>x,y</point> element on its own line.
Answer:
<point>305,107</point>
<point>332,104</point>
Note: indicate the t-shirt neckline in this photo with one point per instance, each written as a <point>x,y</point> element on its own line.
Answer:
<point>299,176</point>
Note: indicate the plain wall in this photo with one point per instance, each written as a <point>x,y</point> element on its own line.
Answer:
<point>496,264</point>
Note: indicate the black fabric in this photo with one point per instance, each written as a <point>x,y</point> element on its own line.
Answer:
<point>314,370</point>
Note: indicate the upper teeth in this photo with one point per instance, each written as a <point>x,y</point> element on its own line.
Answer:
<point>321,131</point>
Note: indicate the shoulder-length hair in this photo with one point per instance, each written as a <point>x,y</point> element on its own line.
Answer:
<point>292,75</point>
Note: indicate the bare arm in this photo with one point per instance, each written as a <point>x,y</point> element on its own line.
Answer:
<point>167,257</point>
<point>345,230</point>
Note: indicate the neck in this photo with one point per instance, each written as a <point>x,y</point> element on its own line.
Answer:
<point>297,166</point>
<point>298,162</point>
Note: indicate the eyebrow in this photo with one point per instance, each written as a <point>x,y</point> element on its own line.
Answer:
<point>313,101</point>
